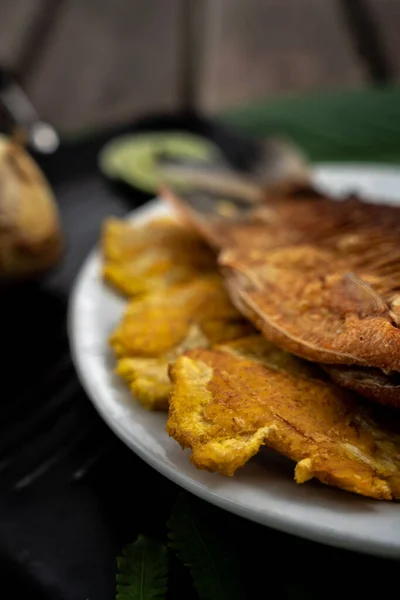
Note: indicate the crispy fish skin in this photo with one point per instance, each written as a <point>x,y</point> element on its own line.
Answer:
<point>241,223</point>
<point>158,327</point>
<point>229,401</point>
<point>138,259</point>
<point>318,277</point>
<point>332,296</point>
<point>373,384</point>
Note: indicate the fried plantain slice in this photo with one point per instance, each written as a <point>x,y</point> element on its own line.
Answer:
<point>158,327</point>
<point>143,258</point>
<point>229,401</point>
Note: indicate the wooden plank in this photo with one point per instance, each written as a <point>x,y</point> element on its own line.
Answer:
<point>105,62</point>
<point>263,47</point>
<point>387,15</point>
<point>108,61</point>
<point>16,17</point>
<point>366,39</point>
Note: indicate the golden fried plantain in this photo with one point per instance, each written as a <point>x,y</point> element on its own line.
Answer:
<point>158,327</point>
<point>229,401</point>
<point>145,258</point>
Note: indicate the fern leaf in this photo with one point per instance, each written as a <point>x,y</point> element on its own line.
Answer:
<point>213,570</point>
<point>142,571</point>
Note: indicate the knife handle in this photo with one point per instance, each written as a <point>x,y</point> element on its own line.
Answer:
<point>21,118</point>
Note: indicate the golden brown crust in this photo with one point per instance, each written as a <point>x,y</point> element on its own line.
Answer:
<point>30,236</point>
<point>319,277</point>
<point>158,327</point>
<point>147,379</point>
<point>145,258</point>
<point>228,402</point>
<point>332,296</point>
<point>371,383</point>
<point>205,225</point>
<point>179,302</point>
<point>245,224</point>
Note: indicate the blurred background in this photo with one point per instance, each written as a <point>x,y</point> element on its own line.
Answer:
<point>87,64</point>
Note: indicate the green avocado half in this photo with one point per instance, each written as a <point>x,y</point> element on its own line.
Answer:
<point>137,159</point>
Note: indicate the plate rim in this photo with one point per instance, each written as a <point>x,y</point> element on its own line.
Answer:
<point>282,522</point>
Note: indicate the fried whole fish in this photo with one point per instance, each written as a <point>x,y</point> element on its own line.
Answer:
<point>318,277</point>
<point>229,401</point>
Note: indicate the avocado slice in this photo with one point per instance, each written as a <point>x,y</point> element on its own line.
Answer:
<point>137,159</point>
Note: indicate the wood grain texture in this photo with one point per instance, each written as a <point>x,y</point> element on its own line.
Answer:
<point>16,17</point>
<point>107,61</point>
<point>387,15</point>
<point>263,47</point>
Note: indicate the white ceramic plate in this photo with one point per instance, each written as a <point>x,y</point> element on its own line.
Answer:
<point>263,490</point>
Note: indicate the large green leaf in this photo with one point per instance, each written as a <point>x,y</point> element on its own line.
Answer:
<point>361,125</point>
<point>142,570</point>
<point>214,571</point>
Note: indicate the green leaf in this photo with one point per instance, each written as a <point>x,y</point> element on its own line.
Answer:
<point>353,125</point>
<point>143,569</point>
<point>214,572</point>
